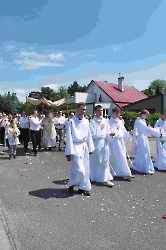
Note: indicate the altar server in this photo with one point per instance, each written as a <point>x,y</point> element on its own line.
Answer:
<point>99,160</point>
<point>143,162</point>
<point>160,162</point>
<point>79,145</point>
<point>118,159</point>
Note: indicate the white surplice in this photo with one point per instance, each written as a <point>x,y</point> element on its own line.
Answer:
<point>118,159</point>
<point>99,160</point>
<point>160,162</point>
<point>143,162</point>
<point>79,144</point>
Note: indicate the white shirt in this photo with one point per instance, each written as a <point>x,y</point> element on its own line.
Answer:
<point>62,121</point>
<point>35,123</point>
<point>24,122</point>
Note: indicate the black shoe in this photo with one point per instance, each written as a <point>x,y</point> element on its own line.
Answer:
<point>71,189</point>
<point>84,192</point>
<point>14,156</point>
<point>35,154</point>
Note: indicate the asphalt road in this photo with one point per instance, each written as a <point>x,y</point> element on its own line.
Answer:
<point>40,215</point>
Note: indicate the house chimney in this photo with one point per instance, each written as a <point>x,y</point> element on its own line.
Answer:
<point>121,83</point>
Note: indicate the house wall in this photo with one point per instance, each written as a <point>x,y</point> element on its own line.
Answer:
<point>89,109</point>
<point>85,97</point>
<point>151,104</point>
<point>93,88</point>
<point>106,106</point>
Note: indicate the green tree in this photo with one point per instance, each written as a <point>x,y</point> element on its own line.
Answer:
<point>27,107</point>
<point>75,87</point>
<point>16,104</point>
<point>5,105</point>
<point>47,92</point>
<point>153,85</point>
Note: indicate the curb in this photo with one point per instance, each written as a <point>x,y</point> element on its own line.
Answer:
<point>6,241</point>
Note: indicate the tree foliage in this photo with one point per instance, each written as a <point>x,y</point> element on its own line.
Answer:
<point>75,87</point>
<point>10,104</point>
<point>155,87</point>
<point>5,105</point>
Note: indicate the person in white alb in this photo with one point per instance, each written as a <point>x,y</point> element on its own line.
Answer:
<point>24,130</point>
<point>59,128</point>
<point>79,145</point>
<point>99,160</point>
<point>34,130</point>
<point>160,162</point>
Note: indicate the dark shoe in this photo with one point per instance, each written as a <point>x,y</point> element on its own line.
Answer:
<point>80,191</point>
<point>71,189</point>
<point>84,192</point>
<point>14,156</point>
<point>35,154</point>
<point>50,149</point>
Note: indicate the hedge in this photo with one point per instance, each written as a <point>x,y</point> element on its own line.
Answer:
<point>130,117</point>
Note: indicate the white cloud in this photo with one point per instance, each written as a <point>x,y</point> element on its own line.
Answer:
<point>1,63</point>
<point>20,91</point>
<point>116,48</point>
<point>52,86</point>
<point>32,60</point>
<point>71,54</point>
<point>9,47</point>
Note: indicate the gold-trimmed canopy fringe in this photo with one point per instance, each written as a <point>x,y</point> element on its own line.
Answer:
<point>45,102</point>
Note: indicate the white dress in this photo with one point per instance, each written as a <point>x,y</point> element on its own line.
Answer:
<point>143,162</point>
<point>160,162</point>
<point>49,133</point>
<point>79,144</point>
<point>99,160</point>
<point>13,140</point>
<point>118,159</point>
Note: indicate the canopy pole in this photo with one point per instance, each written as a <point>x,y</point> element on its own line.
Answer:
<point>67,104</point>
<point>42,108</point>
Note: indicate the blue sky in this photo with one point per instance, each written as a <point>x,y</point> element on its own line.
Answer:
<point>53,43</point>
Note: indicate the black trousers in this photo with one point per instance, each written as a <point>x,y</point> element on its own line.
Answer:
<point>35,139</point>
<point>2,135</point>
<point>25,137</point>
<point>40,138</point>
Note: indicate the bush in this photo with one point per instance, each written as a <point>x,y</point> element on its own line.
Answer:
<point>130,117</point>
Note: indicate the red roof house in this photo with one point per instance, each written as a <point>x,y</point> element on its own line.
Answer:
<point>120,94</point>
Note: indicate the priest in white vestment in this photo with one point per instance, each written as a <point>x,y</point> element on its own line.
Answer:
<point>160,162</point>
<point>79,145</point>
<point>118,159</point>
<point>49,132</point>
<point>143,162</point>
<point>99,160</point>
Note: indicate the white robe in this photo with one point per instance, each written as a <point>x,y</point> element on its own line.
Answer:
<point>13,140</point>
<point>79,144</point>
<point>118,159</point>
<point>160,162</point>
<point>143,162</point>
<point>99,160</point>
<point>49,133</point>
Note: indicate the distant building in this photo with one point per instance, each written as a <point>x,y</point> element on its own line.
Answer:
<point>108,95</point>
<point>154,104</point>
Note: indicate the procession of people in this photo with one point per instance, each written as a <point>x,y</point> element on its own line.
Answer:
<point>95,147</point>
